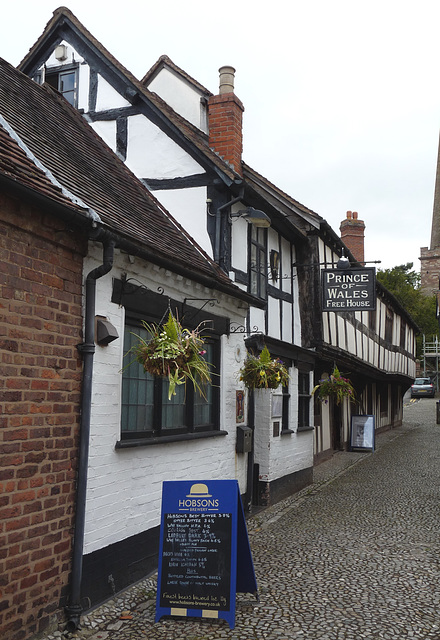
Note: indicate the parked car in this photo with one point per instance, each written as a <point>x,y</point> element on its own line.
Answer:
<point>422,387</point>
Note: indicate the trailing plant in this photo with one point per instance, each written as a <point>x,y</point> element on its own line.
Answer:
<point>263,372</point>
<point>175,353</point>
<point>335,386</point>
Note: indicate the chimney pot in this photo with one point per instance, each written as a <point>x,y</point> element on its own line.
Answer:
<point>355,215</point>
<point>227,76</point>
<point>348,215</point>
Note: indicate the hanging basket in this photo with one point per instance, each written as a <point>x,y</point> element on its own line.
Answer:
<point>263,372</point>
<point>175,353</point>
<point>336,387</point>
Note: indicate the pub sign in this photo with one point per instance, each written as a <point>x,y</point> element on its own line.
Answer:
<point>349,289</point>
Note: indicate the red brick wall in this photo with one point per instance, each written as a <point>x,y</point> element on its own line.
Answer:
<point>40,326</point>
<point>225,128</point>
<point>352,235</point>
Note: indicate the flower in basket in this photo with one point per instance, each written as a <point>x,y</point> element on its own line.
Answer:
<point>174,353</point>
<point>335,386</point>
<point>263,372</point>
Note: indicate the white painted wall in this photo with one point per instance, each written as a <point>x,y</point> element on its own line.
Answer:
<point>107,97</point>
<point>279,456</point>
<point>124,489</point>
<point>183,97</point>
<point>152,154</point>
<point>188,206</point>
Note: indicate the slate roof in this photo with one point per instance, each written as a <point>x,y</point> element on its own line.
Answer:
<point>63,151</point>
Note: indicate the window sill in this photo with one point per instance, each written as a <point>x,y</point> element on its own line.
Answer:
<point>301,429</point>
<point>285,432</point>
<point>148,442</point>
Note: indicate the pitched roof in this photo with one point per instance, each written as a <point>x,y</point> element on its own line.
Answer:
<point>57,29</point>
<point>166,62</point>
<point>55,153</point>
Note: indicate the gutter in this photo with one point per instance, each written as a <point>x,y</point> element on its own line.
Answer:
<point>87,349</point>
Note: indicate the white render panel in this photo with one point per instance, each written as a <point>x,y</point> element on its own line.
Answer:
<point>341,332</point>
<point>359,344</point>
<point>286,266</point>
<point>287,322</point>
<point>181,96</point>
<point>130,480</point>
<point>188,206</point>
<point>351,339</point>
<point>274,329</point>
<point>239,250</point>
<point>107,97</point>
<point>106,129</point>
<point>297,334</point>
<point>152,154</point>
<point>256,320</point>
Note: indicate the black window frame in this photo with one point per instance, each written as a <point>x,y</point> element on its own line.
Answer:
<point>58,72</point>
<point>304,399</point>
<point>258,268</point>
<point>158,431</point>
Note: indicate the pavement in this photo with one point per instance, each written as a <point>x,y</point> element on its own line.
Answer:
<point>354,556</point>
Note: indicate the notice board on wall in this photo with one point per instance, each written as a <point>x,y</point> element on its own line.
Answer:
<point>204,553</point>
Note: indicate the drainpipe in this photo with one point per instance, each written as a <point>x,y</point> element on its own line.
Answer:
<point>87,349</point>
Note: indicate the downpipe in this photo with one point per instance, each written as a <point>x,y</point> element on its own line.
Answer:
<point>87,349</point>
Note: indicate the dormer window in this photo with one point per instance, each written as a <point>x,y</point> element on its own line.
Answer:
<point>65,80</point>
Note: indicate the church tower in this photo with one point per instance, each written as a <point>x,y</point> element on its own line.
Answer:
<point>430,258</point>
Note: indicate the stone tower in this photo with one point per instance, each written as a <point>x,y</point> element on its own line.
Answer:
<point>430,258</point>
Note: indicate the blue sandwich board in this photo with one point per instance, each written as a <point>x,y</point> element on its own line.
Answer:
<point>204,554</point>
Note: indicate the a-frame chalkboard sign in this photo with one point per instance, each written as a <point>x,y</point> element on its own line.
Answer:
<point>204,553</point>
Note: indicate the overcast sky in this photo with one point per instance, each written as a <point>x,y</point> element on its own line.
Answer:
<point>342,97</point>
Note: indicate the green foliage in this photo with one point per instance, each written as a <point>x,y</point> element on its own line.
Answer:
<point>263,372</point>
<point>404,284</point>
<point>175,353</point>
<point>335,386</point>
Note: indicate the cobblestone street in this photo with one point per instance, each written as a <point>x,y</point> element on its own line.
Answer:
<point>354,556</point>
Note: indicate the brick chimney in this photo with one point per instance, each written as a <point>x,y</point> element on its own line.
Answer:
<point>225,118</point>
<point>352,235</point>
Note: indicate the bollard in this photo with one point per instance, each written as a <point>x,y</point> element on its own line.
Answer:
<point>438,411</point>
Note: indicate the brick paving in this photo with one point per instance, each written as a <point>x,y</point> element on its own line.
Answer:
<point>354,556</point>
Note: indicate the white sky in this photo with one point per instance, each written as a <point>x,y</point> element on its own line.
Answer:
<point>342,98</point>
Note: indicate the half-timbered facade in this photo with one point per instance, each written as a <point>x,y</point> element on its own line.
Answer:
<point>264,252</point>
<point>194,167</point>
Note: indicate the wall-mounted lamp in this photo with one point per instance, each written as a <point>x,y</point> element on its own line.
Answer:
<point>343,263</point>
<point>253,216</point>
<point>61,52</point>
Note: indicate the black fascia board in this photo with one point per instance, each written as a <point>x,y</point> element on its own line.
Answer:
<point>66,30</point>
<point>279,221</point>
